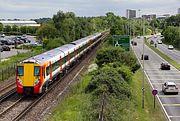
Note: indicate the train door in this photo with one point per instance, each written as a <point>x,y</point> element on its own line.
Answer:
<point>28,75</point>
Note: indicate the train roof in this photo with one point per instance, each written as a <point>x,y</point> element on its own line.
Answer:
<point>59,51</point>
<point>85,39</point>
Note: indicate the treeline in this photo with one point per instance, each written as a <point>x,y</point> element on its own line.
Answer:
<point>66,27</point>
<point>15,30</point>
<point>63,27</point>
<point>171,31</point>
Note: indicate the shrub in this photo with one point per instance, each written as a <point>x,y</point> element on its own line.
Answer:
<point>108,80</point>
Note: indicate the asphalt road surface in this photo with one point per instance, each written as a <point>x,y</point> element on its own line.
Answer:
<point>173,54</point>
<point>6,54</point>
<point>170,103</point>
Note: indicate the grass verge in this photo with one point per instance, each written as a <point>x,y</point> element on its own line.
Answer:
<point>77,105</point>
<point>19,57</point>
<point>148,113</point>
<point>167,58</point>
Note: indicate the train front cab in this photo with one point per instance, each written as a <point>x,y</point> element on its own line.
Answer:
<point>28,78</point>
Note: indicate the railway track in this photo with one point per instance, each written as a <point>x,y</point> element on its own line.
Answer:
<point>22,105</point>
<point>7,91</point>
<point>7,87</point>
<point>6,95</point>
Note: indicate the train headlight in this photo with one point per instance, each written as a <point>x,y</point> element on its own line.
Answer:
<point>20,81</point>
<point>36,82</point>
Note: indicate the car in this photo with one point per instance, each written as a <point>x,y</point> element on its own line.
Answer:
<point>2,35</point>
<point>5,41</point>
<point>132,42</point>
<point>34,44</point>
<point>165,66</point>
<point>151,42</point>
<point>170,47</point>
<point>6,48</point>
<point>159,42</point>
<point>135,43</point>
<point>1,49</point>
<point>1,43</point>
<point>170,87</point>
<point>146,57</point>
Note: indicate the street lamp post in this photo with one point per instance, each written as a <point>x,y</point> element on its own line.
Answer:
<point>179,34</point>
<point>142,58</point>
<point>143,69</point>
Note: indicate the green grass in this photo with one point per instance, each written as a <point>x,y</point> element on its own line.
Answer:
<point>19,57</point>
<point>148,113</point>
<point>76,105</point>
<point>167,58</point>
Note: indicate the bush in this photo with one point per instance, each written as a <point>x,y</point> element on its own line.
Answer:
<point>53,43</point>
<point>108,55</point>
<point>126,73</point>
<point>108,80</point>
<point>117,55</point>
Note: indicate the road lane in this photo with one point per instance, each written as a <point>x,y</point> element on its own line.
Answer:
<point>173,54</point>
<point>158,76</point>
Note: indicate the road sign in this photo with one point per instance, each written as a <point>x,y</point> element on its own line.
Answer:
<point>121,41</point>
<point>154,92</point>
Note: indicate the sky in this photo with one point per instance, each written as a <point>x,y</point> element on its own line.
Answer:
<point>34,9</point>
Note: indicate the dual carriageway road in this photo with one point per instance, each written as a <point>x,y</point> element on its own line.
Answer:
<point>173,54</point>
<point>170,103</point>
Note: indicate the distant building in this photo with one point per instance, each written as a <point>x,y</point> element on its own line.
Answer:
<point>130,13</point>
<point>149,17</point>
<point>19,23</point>
<point>179,11</point>
<point>163,16</point>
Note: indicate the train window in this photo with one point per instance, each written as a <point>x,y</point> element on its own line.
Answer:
<point>20,70</point>
<point>36,70</point>
<point>47,70</point>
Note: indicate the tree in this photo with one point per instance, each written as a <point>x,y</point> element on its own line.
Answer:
<point>58,20</point>
<point>46,30</point>
<point>1,27</point>
<point>68,28</point>
<point>7,28</point>
<point>14,28</point>
<point>23,29</point>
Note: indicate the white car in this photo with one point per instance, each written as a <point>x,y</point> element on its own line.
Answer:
<point>170,87</point>
<point>170,47</point>
<point>159,42</point>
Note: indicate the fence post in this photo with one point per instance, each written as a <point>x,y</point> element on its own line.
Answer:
<point>2,74</point>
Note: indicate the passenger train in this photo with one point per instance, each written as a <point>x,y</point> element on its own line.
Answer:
<point>33,75</point>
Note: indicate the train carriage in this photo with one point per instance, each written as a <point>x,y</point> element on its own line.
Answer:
<point>34,74</point>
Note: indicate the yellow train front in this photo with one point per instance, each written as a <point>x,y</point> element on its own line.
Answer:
<point>29,78</point>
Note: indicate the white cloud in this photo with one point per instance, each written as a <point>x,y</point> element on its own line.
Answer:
<point>46,8</point>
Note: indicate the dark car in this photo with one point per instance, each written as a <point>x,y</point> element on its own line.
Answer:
<point>5,41</point>
<point>146,57</point>
<point>165,66</point>
<point>151,42</point>
<point>1,43</point>
<point>135,43</point>
<point>1,49</point>
<point>6,48</point>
